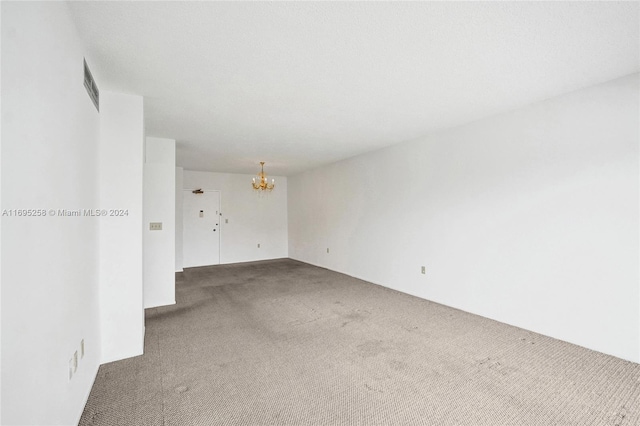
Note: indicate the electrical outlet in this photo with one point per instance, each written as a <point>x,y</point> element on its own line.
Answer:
<point>423,270</point>
<point>70,368</point>
<point>327,249</point>
<point>226,221</point>
<point>75,361</point>
<point>81,348</point>
<point>155,226</point>
<point>258,245</point>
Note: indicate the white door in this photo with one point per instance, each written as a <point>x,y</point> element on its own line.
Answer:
<point>201,228</point>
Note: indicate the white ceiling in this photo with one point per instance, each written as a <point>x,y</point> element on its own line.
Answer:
<point>301,84</point>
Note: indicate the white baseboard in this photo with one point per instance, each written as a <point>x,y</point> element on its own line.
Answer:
<point>158,304</point>
<point>86,397</point>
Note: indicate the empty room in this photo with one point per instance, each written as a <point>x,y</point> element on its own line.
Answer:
<point>320,213</point>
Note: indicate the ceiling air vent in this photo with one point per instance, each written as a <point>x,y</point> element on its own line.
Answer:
<point>91,87</point>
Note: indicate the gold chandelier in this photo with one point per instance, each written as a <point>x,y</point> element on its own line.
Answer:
<point>262,184</point>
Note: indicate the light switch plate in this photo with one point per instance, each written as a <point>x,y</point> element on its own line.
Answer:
<point>155,226</point>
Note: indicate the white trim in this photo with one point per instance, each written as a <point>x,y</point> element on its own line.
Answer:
<point>86,397</point>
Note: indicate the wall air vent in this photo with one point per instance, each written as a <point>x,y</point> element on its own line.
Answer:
<point>91,87</point>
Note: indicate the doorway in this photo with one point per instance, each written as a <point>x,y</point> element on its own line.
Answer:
<point>201,228</point>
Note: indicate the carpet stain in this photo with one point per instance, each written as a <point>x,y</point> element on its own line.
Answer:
<point>182,389</point>
<point>372,388</point>
<point>620,416</point>
<point>397,365</point>
<point>357,315</point>
<point>371,348</point>
<point>494,365</point>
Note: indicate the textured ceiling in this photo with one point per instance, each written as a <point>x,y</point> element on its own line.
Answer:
<point>302,84</point>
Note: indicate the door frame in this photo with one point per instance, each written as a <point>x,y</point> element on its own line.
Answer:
<point>219,218</point>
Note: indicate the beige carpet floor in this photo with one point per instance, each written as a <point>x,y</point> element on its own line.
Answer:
<point>283,342</point>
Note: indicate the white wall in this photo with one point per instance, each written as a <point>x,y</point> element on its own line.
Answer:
<point>0,233</point>
<point>252,218</point>
<point>529,218</point>
<point>159,206</point>
<point>50,288</point>
<point>178,224</point>
<point>121,181</point>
